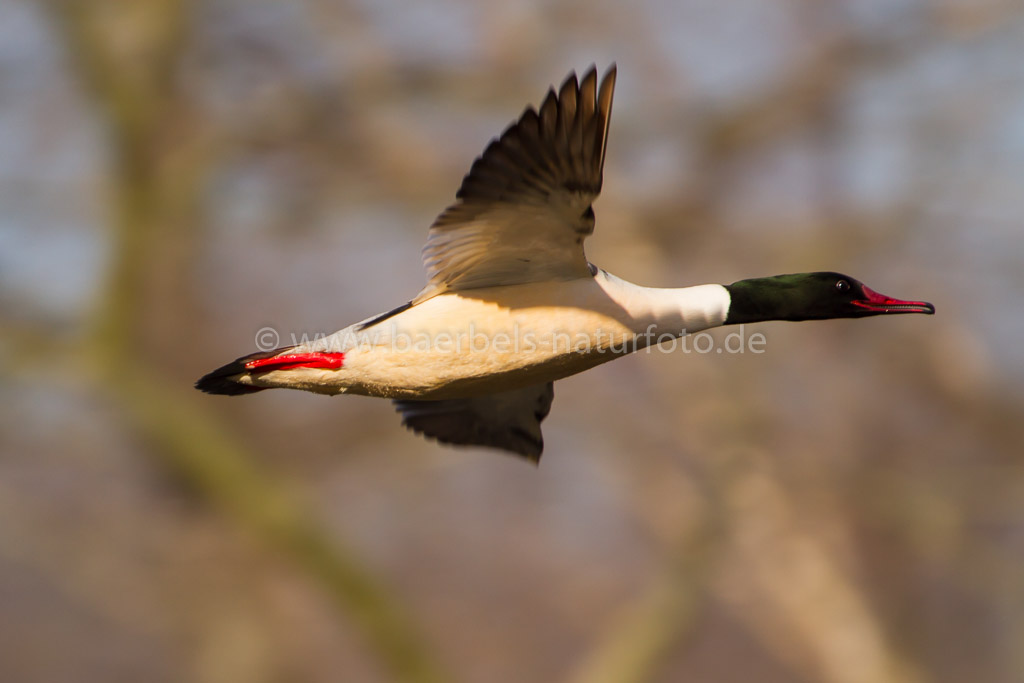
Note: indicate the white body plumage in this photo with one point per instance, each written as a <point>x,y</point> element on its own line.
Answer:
<point>476,342</point>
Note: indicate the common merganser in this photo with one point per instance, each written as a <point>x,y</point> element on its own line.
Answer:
<point>512,303</point>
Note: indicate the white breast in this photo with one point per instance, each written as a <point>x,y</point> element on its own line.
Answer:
<point>480,341</point>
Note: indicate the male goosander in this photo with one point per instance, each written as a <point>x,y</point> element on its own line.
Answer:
<point>512,304</point>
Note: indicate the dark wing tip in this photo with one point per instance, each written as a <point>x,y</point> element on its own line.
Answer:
<point>509,420</point>
<point>537,144</point>
<point>455,428</point>
<point>384,316</point>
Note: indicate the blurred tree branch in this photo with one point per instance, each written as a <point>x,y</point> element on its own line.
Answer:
<point>133,90</point>
<point>636,645</point>
<point>126,55</point>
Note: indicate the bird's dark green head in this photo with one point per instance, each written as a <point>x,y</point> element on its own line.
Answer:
<point>811,296</point>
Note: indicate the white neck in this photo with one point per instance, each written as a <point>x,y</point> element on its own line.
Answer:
<point>678,311</point>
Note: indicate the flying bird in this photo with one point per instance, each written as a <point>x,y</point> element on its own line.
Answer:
<point>511,302</point>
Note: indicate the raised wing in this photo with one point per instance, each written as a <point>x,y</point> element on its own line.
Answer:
<point>524,209</point>
<point>509,420</point>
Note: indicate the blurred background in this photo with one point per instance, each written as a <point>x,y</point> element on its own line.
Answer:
<point>845,507</point>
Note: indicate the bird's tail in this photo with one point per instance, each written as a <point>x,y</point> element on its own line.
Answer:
<point>236,377</point>
<point>224,380</point>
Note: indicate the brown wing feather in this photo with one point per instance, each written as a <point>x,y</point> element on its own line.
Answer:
<point>524,208</point>
<point>509,420</point>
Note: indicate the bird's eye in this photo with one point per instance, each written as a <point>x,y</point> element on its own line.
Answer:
<point>843,285</point>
